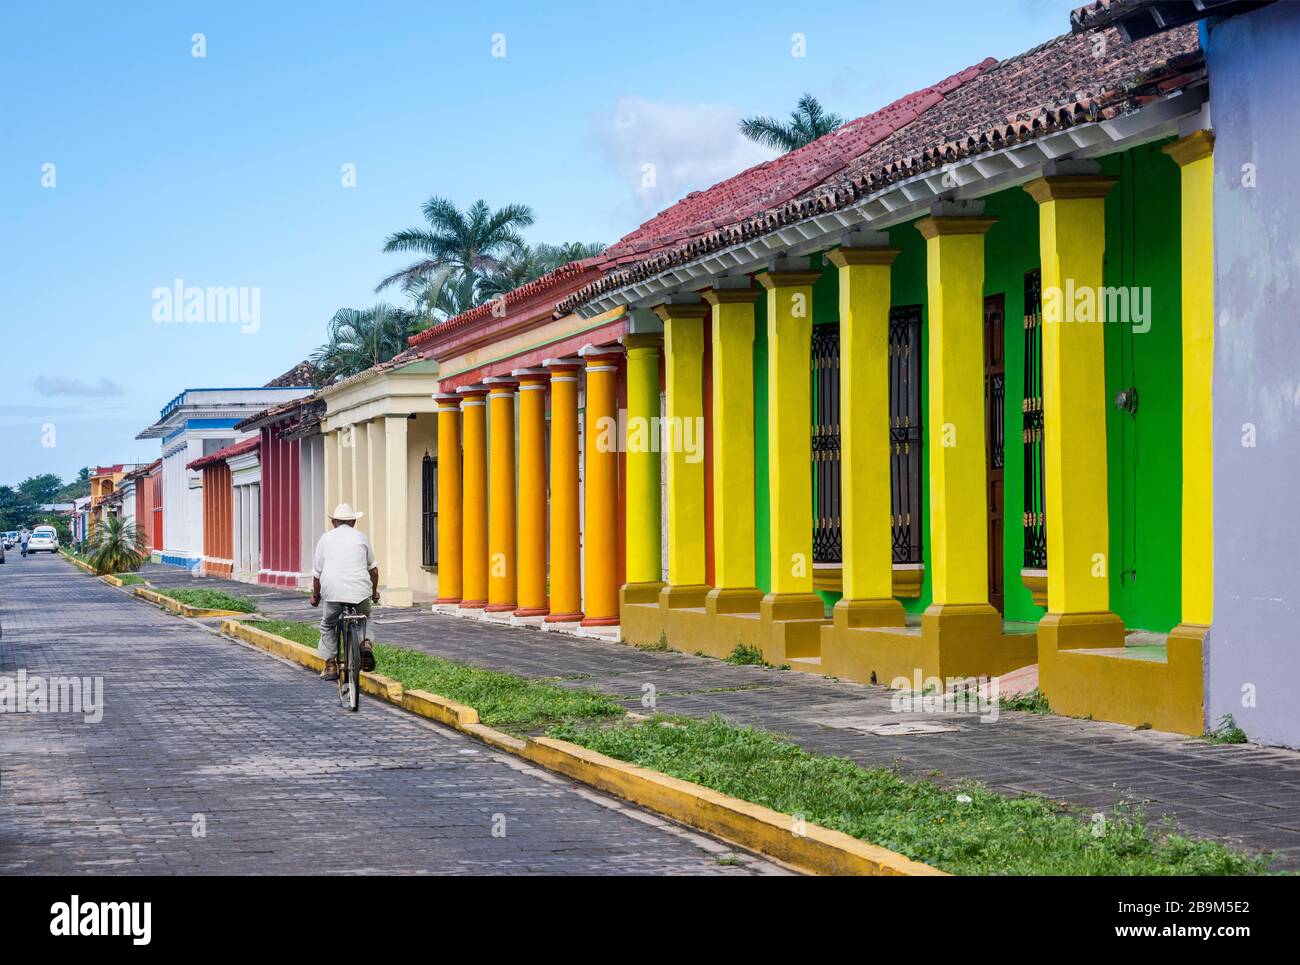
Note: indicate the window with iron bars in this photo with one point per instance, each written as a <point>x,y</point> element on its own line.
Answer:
<point>429,511</point>
<point>905,437</point>
<point>1035,511</point>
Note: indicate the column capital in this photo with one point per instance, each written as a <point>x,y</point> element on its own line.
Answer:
<point>872,255</point>
<point>934,226</point>
<point>641,341</point>
<point>447,401</point>
<point>500,385</point>
<point>1193,147</point>
<point>1070,187</point>
<point>670,310</point>
<point>472,394</point>
<point>532,378</point>
<point>598,355</point>
<point>731,296</point>
<point>772,280</point>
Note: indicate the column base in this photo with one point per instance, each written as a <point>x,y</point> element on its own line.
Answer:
<point>573,617</point>
<point>396,596</point>
<point>640,592</point>
<point>447,601</point>
<point>690,596</point>
<point>501,607</point>
<point>792,625</point>
<point>733,599</point>
<point>532,611</point>
<point>856,614</point>
<point>473,604</point>
<point>1094,630</point>
<point>599,622</point>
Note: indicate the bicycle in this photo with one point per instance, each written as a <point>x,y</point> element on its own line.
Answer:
<point>348,658</point>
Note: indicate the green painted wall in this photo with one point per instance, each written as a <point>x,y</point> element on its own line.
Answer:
<point>1144,460</point>
<point>907,286</point>
<point>1010,250</point>
<point>762,494</point>
<point>1144,454</point>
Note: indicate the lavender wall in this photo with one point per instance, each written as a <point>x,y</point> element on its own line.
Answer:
<point>1254,65</point>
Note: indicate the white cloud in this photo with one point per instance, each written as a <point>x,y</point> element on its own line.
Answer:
<point>663,151</point>
<point>51,385</point>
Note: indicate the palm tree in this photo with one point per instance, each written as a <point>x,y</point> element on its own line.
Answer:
<point>533,262</point>
<point>445,298</point>
<point>117,547</point>
<point>471,242</point>
<point>808,121</point>
<point>363,337</point>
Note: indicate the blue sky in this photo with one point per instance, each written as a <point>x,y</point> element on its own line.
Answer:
<point>226,169</point>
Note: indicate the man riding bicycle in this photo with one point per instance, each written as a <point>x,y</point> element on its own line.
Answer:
<point>343,574</point>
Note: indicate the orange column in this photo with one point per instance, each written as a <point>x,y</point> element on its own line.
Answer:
<point>449,501</point>
<point>531,564</point>
<point>600,503</point>
<point>566,550</point>
<point>474,522</point>
<point>501,495</point>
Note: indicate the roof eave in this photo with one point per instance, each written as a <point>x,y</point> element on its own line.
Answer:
<point>974,176</point>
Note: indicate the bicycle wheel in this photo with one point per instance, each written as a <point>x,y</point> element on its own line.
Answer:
<point>354,665</point>
<point>341,662</point>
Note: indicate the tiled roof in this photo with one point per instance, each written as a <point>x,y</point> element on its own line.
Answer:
<point>544,290</point>
<point>229,452</point>
<point>302,374</point>
<point>1066,81</point>
<point>775,182</point>
<point>278,413</point>
<point>143,470</point>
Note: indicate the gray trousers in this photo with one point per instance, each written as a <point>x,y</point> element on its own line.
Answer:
<point>329,626</point>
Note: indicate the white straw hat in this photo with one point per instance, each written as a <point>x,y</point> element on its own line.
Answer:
<point>344,511</point>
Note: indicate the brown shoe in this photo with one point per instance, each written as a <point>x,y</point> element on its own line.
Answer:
<point>367,656</point>
<point>331,671</point>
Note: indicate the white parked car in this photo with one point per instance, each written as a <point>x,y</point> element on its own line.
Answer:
<point>43,539</point>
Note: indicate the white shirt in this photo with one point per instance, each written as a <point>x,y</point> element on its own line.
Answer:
<point>342,563</point>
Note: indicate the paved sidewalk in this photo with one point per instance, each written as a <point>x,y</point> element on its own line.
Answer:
<point>1245,795</point>
<point>199,729</point>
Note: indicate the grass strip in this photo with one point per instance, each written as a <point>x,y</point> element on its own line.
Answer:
<point>967,829</point>
<point>130,579</point>
<point>210,600</point>
<point>505,701</point>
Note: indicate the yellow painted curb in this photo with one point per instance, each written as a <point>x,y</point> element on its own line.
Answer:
<point>176,606</point>
<point>808,847</point>
<point>78,564</point>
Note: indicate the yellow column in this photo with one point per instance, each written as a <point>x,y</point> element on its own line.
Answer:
<point>347,446</point>
<point>958,464</point>
<point>566,552</point>
<point>643,517</point>
<point>532,492</point>
<point>375,522</point>
<point>501,489</point>
<point>450,585</point>
<point>1072,239</point>
<point>789,441</point>
<point>474,532</point>
<point>361,475</point>
<point>600,502</point>
<point>684,432</point>
<point>864,276</point>
<point>1195,157</point>
<point>732,327</point>
<point>331,440</point>
<point>396,527</point>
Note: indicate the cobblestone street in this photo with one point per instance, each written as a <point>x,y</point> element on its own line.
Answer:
<point>1245,795</point>
<point>200,734</point>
